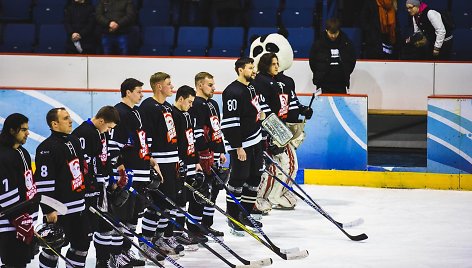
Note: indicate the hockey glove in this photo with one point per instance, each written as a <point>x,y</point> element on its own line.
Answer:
<point>123,180</point>
<point>306,111</point>
<point>223,173</point>
<point>182,171</point>
<point>206,161</point>
<point>24,228</point>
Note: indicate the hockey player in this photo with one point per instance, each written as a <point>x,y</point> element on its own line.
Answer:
<point>16,230</point>
<point>210,145</point>
<point>129,154</point>
<point>188,157</point>
<point>163,144</point>
<point>93,142</point>
<point>241,126</point>
<point>60,175</point>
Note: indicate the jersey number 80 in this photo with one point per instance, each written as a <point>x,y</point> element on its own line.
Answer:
<point>232,105</point>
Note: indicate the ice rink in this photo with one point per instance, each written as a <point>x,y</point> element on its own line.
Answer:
<point>406,228</point>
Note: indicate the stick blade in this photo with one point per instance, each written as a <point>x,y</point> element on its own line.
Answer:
<point>352,223</point>
<point>358,237</point>
<point>297,255</point>
<point>290,250</point>
<point>54,204</point>
<point>263,262</point>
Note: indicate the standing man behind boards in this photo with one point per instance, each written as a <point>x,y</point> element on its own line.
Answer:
<point>210,145</point>
<point>93,142</point>
<point>60,175</point>
<point>16,230</point>
<point>163,139</point>
<point>241,126</point>
<point>332,59</point>
<point>115,18</point>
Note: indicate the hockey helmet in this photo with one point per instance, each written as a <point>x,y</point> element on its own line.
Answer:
<point>119,197</point>
<point>51,234</point>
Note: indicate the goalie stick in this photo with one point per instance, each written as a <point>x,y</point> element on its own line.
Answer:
<point>286,256</point>
<point>43,199</point>
<point>343,225</point>
<point>318,208</point>
<point>247,264</point>
<point>142,239</point>
<point>99,214</point>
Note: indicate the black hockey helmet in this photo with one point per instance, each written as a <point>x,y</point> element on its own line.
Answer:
<point>118,197</point>
<point>52,234</point>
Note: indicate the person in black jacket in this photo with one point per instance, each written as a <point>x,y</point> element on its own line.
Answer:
<point>16,229</point>
<point>93,141</point>
<point>60,175</point>
<point>115,18</point>
<point>241,126</point>
<point>79,21</point>
<point>332,59</point>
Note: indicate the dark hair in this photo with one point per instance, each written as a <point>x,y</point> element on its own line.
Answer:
<point>241,62</point>
<point>109,114</point>
<point>129,84</point>
<point>265,62</point>
<point>52,115</point>
<point>333,25</point>
<point>184,92</point>
<point>13,121</point>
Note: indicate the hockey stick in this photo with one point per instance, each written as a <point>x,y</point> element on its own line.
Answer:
<point>99,214</point>
<point>43,199</point>
<point>318,208</point>
<point>342,225</point>
<point>286,256</point>
<point>247,264</point>
<point>45,243</point>
<point>142,239</point>
<point>242,226</point>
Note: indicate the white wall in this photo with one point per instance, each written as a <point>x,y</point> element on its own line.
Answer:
<point>390,85</point>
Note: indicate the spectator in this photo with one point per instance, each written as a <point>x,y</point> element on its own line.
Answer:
<point>379,27</point>
<point>434,27</point>
<point>79,21</point>
<point>115,17</point>
<point>332,59</point>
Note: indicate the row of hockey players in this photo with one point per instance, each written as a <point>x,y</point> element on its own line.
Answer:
<point>128,154</point>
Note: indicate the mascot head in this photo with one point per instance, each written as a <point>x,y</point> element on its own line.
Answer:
<point>276,43</point>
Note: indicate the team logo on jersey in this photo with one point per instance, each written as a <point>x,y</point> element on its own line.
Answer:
<point>283,106</point>
<point>77,176</point>
<point>31,189</point>
<point>144,149</point>
<point>171,132</point>
<point>104,155</point>
<point>191,142</point>
<point>215,125</point>
<point>255,103</point>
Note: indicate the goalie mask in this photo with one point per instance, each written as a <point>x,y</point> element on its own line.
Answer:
<point>52,234</point>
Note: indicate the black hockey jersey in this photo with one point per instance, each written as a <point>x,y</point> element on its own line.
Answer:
<point>208,131</point>
<point>162,134</point>
<point>59,171</point>
<point>287,84</point>
<point>273,98</point>
<point>127,144</point>
<point>186,139</point>
<point>241,122</point>
<point>17,184</point>
<point>94,147</point>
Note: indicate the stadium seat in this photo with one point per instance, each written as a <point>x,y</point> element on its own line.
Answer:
<point>462,44</point>
<point>301,4</point>
<point>227,42</point>
<point>264,4</point>
<point>157,40</point>
<point>439,5</point>
<point>192,41</point>
<point>18,38</point>
<point>301,40</point>
<point>15,10</point>
<point>462,13</point>
<point>154,16</point>
<point>263,13</point>
<point>354,34</point>
<point>50,14</point>
<point>52,39</point>
<point>297,17</point>
<point>60,3</point>
<point>156,4</point>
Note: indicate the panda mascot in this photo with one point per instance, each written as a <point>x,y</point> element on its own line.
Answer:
<point>272,194</point>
